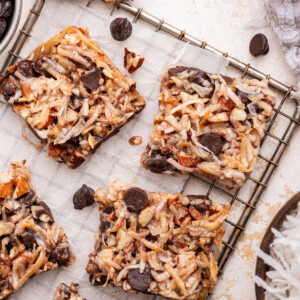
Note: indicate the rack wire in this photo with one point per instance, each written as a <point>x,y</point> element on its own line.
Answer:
<point>271,162</point>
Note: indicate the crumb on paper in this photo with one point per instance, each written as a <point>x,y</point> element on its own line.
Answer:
<point>135,140</point>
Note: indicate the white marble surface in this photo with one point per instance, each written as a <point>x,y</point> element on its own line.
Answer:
<point>229,25</point>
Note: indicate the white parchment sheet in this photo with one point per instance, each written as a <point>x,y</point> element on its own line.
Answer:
<point>116,158</point>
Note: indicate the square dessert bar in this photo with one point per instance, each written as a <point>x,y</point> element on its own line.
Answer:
<point>31,242</point>
<point>65,292</point>
<point>71,95</point>
<point>208,124</point>
<point>157,243</point>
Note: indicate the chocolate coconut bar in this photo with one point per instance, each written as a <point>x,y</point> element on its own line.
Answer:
<point>71,95</point>
<point>208,124</point>
<point>65,292</point>
<point>157,243</point>
<point>31,242</point>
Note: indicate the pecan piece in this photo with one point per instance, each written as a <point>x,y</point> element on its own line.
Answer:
<point>132,60</point>
<point>135,140</point>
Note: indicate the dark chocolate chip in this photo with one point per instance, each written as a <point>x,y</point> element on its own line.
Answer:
<point>243,96</point>
<point>120,29</point>
<point>139,281</point>
<point>40,65</point>
<point>157,163</point>
<point>135,199</point>
<point>201,78</point>
<point>5,9</point>
<point>91,80</point>
<point>104,226</point>
<point>259,45</point>
<point>151,238</point>
<point>175,71</point>
<point>258,109</point>
<point>7,87</point>
<point>26,67</point>
<point>60,256</point>
<point>3,25</point>
<point>202,207</point>
<point>84,197</point>
<point>28,198</point>
<point>96,282</point>
<point>28,238</point>
<point>212,142</point>
<point>128,223</point>
<point>227,78</point>
<point>75,160</point>
<point>108,210</point>
<point>11,244</point>
<point>46,210</point>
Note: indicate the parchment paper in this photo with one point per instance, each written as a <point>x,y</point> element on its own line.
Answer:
<point>116,158</point>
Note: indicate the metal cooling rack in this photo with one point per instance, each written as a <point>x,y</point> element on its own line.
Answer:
<point>271,163</point>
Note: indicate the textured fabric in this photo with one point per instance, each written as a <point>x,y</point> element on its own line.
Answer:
<point>284,16</point>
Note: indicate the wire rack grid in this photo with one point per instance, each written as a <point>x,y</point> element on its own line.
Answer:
<point>271,161</point>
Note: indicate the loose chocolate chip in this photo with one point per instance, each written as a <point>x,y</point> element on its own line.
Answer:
<point>157,163</point>
<point>108,210</point>
<point>259,45</point>
<point>139,281</point>
<point>212,142</point>
<point>28,238</point>
<point>46,210</point>
<point>120,29</point>
<point>175,71</point>
<point>7,87</point>
<point>91,80</point>
<point>3,25</point>
<point>104,226</point>
<point>5,9</point>
<point>135,199</point>
<point>28,198</point>
<point>60,256</point>
<point>84,197</point>
<point>26,68</point>
<point>243,96</point>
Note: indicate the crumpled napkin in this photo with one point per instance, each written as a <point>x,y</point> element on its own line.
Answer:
<point>284,16</point>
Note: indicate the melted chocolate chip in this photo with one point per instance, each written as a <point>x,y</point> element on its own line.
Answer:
<point>139,281</point>
<point>3,25</point>
<point>157,163</point>
<point>120,29</point>
<point>84,197</point>
<point>175,71</point>
<point>96,282</point>
<point>151,238</point>
<point>135,199</point>
<point>259,45</point>
<point>28,238</point>
<point>91,80</point>
<point>28,198</point>
<point>104,226</point>
<point>26,67</point>
<point>243,96</point>
<point>40,66</point>
<point>212,142</point>
<point>108,210</point>
<point>5,9</point>
<point>202,207</point>
<point>60,256</point>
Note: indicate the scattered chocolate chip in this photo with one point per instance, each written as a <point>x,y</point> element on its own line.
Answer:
<point>7,87</point>
<point>60,256</point>
<point>104,226</point>
<point>3,25</point>
<point>84,197</point>
<point>28,238</point>
<point>26,67</point>
<point>91,80</point>
<point>243,96</point>
<point>259,45</point>
<point>139,281</point>
<point>120,29</point>
<point>212,142</point>
<point>28,198</point>
<point>157,163</point>
<point>135,199</point>
<point>5,9</point>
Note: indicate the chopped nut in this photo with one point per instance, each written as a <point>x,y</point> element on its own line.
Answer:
<point>5,190</point>
<point>132,60</point>
<point>22,187</point>
<point>135,140</point>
